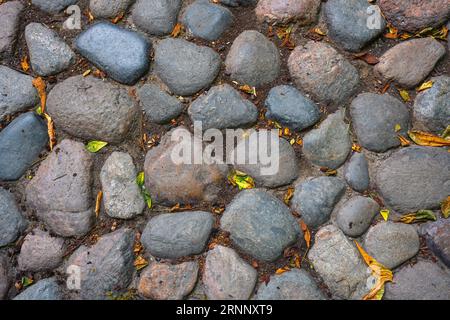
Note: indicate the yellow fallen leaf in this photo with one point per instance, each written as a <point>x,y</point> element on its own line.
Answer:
<point>392,32</point>
<point>427,139</point>
<point>445,207</point>
<point>397,127</point>
<point>140,263</point>
<point>288,195</point>
<point>50,131</point>
<point>306,233</point>
<point>248,89</point>
<point>87,72</point>
<point>95,146</point>
<point>176,30</point>
<point>425,86</point>
<point>404,94</point>
<point>282,270</point>
<point>98,203</point>
<point>319,31</point>
<point>446,133</point>
<point>241,179</point>
<point>292,141</point>
<point>140,179</point>
<point>419,216</point>
<point>356,147</point>
<point>24,64</point>
<point>403,141</point>
<point>90,16</point>
<point>40,86</point>
<point>385,214</point>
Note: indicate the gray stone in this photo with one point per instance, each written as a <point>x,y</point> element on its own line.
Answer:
<point>46,289</point>
<point>185,67</point>
<point>16,92</point>
<point>5,278</point>
<point>12,224</point>
<point>356,172</point>
<point>339,263</point>
<point>356,215</point>
<point>414,178</point>
<point>21,142</point>
<point>391,244</point>
<point>286,105</point>
<point>318,69</point>
<point>207,20</point>
<point>374,119</point>
<point>159,106</point>
<point>10,13</point>
<point>423,281</point>
<point>121,195</point>
<point>348,23</point>
<point>226,276</point>
<point>432,106</point>
<point>60,192</point>
<point>156,17</point>
<point>49,54</point>
<point>253,59</point>
<point>107,266</point>
<point>223,107</point>
<point>291,285</point>
<point>438,239</point>
<point>284,11</point>
<point>260,224</point>
<point>125,63</point>
<point>162,281</point>
<point>108,8</point>
<point>176,235</point>
<point>92,109</point>
<point>237,3</point>
<point>329,144</point>
<point>53,6</point>
<point>315,199</point>
<point>40,252</point>
<point>410,62</point>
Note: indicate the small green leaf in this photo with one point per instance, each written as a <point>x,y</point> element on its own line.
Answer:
<point>241,179</point>
<point>446,133</point>
<point>147,198</point>
<point>95,146</point>
<point>419,216</point>
<point>39,111</point>
<point>26,281</point>
<point>140,179</point>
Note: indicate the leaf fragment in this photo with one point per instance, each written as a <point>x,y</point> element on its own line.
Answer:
<point>368,58</point>
<point>328,171</point>
<point>40,86</point>
<point>50,131</point>
<point>282,270</point>
<point>140,263</point>
<point>140,180</point>
<point>95,146</point>
<point>248,89</point>
<point>403,141</point>
<point>24,64</point>
<point>87,72</point>
<point>356,147</point>
<point>288,195</point>
<point>385,214</point>
<point>98,203</point>
<point>241,179</point>
<point>392,32</point>
<point>446,133</point>
<point>445,207</point>
<point>419,216</point>
<point>427,139</point>
<point>118,18</point>
<point>404,94</point>
<point>306,233</point>
<point>176,31</point>
<point>425,86</point>
<point>397,127</point>
<point>26,282</point>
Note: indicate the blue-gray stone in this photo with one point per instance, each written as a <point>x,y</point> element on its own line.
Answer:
<point>122,54</point>
<point>11,221</point>
<point>356,172</point>
<point>315,199</point>
<point>156,17</point>
<point>207,20</point>
<point>46,289</point>
<point>10,13</point>
<point>53,6</point>
<point>286,105</point>
<point>21,142</point>
<point>108,8</point>
<point>356,214</point>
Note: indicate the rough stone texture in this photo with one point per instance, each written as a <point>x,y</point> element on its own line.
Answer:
<point>315,198</point>
<point>356,172</point>
<point>108,8</point>
<point>227,276</point>
<point>339,263</point>
<point>46,289</point>
<point>156,17</point>
<point>185,67</point>
<point>223,107</point>
<point>292,285</point>
<point>432,106</point>
<point>329,144</point>
<point>410,62</point>
<point>176,235</point>
<point>21,142</point>
<point>374,117</point>
<point>60,192</point>
<point>107,266</point>
<point>16,91</point>
<point>414,178</point>
<point>284,11</point>
<point>125,63</point>
<point>260,224</point>
<point>40,252</point>
<point>159,106</point>
<point>437,236</point>
<point>253,59</point>
<point>161,281</point>
<point>321,71</point>
<point>348,23</point>
<point>415,15</point>
<point>92,109</point>
<point>49,54</point>
<point>53,6</point>
<point>12,224</point>
<point>423,281</point>
<point>356,214</point>
<point>207,20</point>
<point>5,279</point>
<point>170,182</point>
<point>9,22</point>
<point>121,195</point>
<point>286,105</point>
<point>391,244</point>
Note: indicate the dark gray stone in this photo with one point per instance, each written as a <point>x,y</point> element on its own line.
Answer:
<point>253,59</point>
<point>260,224</point>
<point>10,13</point>
<point>237,3</point>
<point>374,119</point>
<point>356,215</point>
<point>53,6</point>
<point>176,235</point>
<point>159,106</point>
<point>223,107</point>
<point>356,172</point>
<point>5,278</point>
<point>108,8</point>
<point>185,67</point>
<point>21,142</point>
<point>414,178</point>
<point>12,224</point>
<point>125,63</point>
<point>438,239</point>
<point>348,23</point>
<point>315,199</point>
<point>156,17</point>
<point>46,289</point>
<point>207,20</point>
<point>92,109</point>
<point>286,105</point>
<point>329,144</point>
